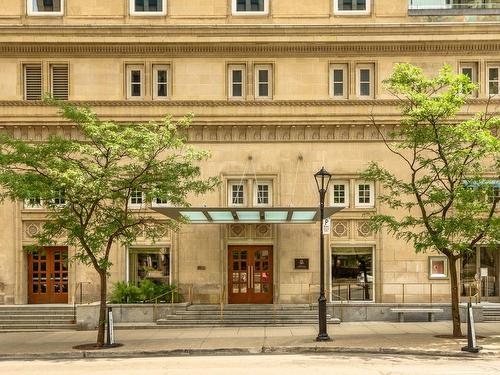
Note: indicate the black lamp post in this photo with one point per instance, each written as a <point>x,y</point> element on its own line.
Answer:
<point>322,178</point>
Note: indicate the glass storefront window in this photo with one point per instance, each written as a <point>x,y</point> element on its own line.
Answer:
<point>352,273</point>
<point>153,264</point>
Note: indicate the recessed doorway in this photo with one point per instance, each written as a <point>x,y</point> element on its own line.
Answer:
<point>48,275</point>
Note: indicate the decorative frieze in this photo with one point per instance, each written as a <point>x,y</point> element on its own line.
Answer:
<point>31,229</point>
<point>364,229</point>
<point>340,228</point>
<point>249,231</point>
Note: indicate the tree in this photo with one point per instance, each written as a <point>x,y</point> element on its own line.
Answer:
<point>444,196</point>
<point>96,177</point>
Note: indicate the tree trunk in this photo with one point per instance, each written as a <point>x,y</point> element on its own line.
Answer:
<point>455,312</point>
<point>102,310</point>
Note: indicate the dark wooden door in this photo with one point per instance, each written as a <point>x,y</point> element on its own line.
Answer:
<point>250,276</point>
<point>48,275</point>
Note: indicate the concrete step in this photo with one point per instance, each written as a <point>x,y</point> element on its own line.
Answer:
<point>242,317</point>
<point>37,318</point>
<point>250,307</point>
<point>35,326</point>
<point>243,323</point>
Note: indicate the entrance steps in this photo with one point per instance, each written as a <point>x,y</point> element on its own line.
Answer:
<point>243,315</point>
<point>23,318</point>
<point>491,313</point>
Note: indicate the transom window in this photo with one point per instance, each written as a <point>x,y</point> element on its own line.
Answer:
<point>340,194</point>
<point>493,80</point>
<point>237,191</point>
<point>250,7</point>
<point>263,192</point>
<point>364,194</point>
<point>351,6</point>
<point>148,7</point>
<point>237,81</point>
<point>263,81</point>
<point>45,7</point>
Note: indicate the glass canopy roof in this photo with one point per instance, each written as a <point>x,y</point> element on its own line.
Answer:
<point>225,215</point>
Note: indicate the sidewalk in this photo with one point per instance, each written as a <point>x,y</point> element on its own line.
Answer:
<point>363,337</point>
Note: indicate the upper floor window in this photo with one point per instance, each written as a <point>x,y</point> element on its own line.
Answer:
<point>469,69</point>
<point>135,81</point>
<point>148,7</point>
<point>263,81</point>
<point>59,81</point>
<point>33,203</point>
<point>263,194</point>
<point>59,199</point>
<point>338,81</point>
<point>159,202</point>
<point>32,75</point>
<point>137,199</point>
<point>45,7</point>
<point>493,80</point>
<point>250,7</point>
<point>340,194</point>
<point>351,7</point>
<point>237,194</point>
<point>365,194</point>
<point>365,77</point>
<point>236,81</point>
<point>161,75</point>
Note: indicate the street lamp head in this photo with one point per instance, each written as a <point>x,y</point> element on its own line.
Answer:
<point>322,178</point>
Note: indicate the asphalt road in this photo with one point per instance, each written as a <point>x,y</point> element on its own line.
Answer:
<point>260,365</point>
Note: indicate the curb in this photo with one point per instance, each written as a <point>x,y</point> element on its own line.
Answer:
<point>266,350</point>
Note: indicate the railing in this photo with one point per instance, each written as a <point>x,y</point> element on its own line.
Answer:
<point>454,4</point>
<point>172,292</point>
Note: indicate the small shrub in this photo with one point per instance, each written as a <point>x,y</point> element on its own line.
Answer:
<point>125,293</point>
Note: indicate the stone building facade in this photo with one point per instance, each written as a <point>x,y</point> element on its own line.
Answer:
<point>279,88</point>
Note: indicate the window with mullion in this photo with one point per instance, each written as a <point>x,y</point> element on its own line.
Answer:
<point>237,81</point>
<point>147,7</point>
<point>137,198</point>
<point>352,6</point>
<point>366,80</point>
<point>340,194</point>
<point>263,194</point>
<point>365,194</point>
<point>493,80</point>
<point>263,81</point>
<point>135,81</point>
<point>161,81</point>
<point>250,5</point>
<point>49,7</point>
<point>338,81</point>
<point>237,192</point>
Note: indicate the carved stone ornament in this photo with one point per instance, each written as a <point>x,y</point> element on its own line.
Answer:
<point>340,228</point>
<point>31,229</point>
<point>263,231</point>
<point>364,229</point>
<point>237,231</point>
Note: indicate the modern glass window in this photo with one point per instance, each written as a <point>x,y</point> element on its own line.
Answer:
<point>33,203</point>
<point>351,7</point>
<point>493,80</point>
<point>148,7</point>
<point>470,70</point>
<point>137,199</point>
<point>352,273</point>
<point>250,7</point>
<point>339,193</point>
<point>161,75</point>
<point>338,81</point>
<point>45,7</point>
<point>237,194</point>
<point>236,81</point>
<point>263,81</point>
<point>365,195</point>
<point>263,193</point>
<point>365,77</point>
<point>152,264</point>
<point>135,81</point>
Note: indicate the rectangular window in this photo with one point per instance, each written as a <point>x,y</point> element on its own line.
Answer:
<point>263,194</point>
<point>494,193</point>
<point>263,81</point>
<point>364,194</point>
<point>338,81</point>
<point>33,203</point>
<point>351,7</point>
<point>365,76</point>
<point>137,199</point>
<point>161,81</point>
<point>59,81</point>
<point>493,80</point>
<point>135,81</point>
<point>470,70</point>
<point>237,81</point>
<point>152,264</point>
<point>250,7</point>
<point>45,7</point>
<point>236,194</point>
<point>340,194</point>
<point>148,7</point>
<point>59,198</point>
<point>32,81</point>
<point>158,202</point>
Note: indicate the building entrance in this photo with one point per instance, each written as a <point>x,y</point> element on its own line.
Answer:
<point>48,275</point>
<point>250,276</point>
<point>485,264</point>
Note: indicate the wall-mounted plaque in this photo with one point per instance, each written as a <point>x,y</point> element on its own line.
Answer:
<point>301,263</point>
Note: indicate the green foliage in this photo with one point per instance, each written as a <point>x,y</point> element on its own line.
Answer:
<point>125,293</point>
<point>146,292</point>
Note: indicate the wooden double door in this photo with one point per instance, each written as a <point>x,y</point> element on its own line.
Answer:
<point>250,276</point>
<point>48,275</point>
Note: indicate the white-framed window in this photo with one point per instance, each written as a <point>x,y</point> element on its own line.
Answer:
<point>493,79</point>
<point>161,81</point>
<point>33,203</point>
<point>33,81</point>
<point>135,81</point>
<point>351,7</point>
<point>264,81</point>
<point>59,198</point>
<point>237,193</point>
<point>339,193</point>
<point>236,79</point>
<point>470,70</point>
<point>339,81</point>
<point>250,7</point>
<point>137,199</point>
<point>45,7</point>
<point>159,202</point>
<point>365,78</point>
<point>59,81</point>
<point>263,193</point>
<point>148,7</point>
<point>365,194</point>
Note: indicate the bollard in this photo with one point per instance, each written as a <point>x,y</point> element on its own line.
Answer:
<point>110,332</point>
<point>471,333</point>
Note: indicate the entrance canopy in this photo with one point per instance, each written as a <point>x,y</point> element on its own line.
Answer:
<point>247,215</point>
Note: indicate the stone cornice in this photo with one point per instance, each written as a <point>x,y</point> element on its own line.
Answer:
<point>250,49</point>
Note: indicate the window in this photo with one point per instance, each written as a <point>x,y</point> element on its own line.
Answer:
<point>338,81</point>
<point>494,193</point>
<point>161,81</point>
<point>352,273</point>
<point>148,7</point>
<point>45,7</point>
<point>364,194</point>
<point>33,203</point>
<point>32,81</point>
<point>59,199</point>
<point>137,199</point>
<point>237,194</point>
<point>470,70</point>
<point>263,81</point>
<point>340,194</point>
<point>365,81</point>
<point>351,7</point>
<point>250,7</point>
<point>59,81</point>
<point>237,81</point>
<point>262,194</point>
<point>159,202</point>
<point>493,80</point>
<point>152,264</point>
<point>135,81</point>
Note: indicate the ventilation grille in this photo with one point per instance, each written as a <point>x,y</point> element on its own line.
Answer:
<point>60,82</point>
<point>33,82</point>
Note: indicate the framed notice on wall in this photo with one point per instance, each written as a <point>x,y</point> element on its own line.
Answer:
<point>301,263</point>
<point>438,267</point>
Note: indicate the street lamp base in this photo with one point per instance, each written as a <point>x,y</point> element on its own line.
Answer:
<point>323,337</point>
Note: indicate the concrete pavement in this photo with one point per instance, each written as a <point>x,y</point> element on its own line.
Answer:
<point>359,337</point>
